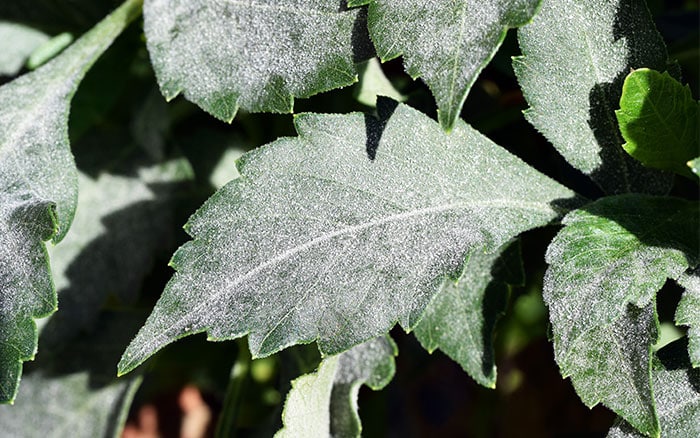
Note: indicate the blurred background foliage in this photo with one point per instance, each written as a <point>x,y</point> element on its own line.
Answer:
<point>118,111</point>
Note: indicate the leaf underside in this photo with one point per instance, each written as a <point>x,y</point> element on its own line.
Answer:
<point>461,318</point>
<point>447,44</point>
<point>576,55</point>
<point>337,234</point>
<point>659,121</point>
<point>612,254</point>
<point>255,55</point>
<point>324,403</point>
<point>38,188</point>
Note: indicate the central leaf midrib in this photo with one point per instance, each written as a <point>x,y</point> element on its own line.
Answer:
<point>512,204</point>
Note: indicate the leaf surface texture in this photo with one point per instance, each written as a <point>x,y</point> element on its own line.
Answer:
<point>337,234</point>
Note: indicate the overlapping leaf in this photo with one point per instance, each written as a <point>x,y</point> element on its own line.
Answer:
<point>676,395</point>
<point>612,253</point>
<point>447,44</point>
<point>576,55</point>
<point>688,313</point>
<point>338,233</point>
<point>325,403</point>
<point>16,44</point>
<point>257,55</point>
<point>38,188</point>
<point>462,316</point>
<point>659,121</point>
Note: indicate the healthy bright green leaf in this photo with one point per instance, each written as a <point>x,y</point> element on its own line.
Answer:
<point>71,389</point>
<point>659,121</point>
<point>446,43</point>
<point>17,42</point>
<point>257,55</point>
<point>576,54</point>
<point>688,313</point>
<point>676,393</point>
<point>337,234</point>
<point>373,83</point>
<point>325,403</point>
<point>614,252</point>
<point>461,318</point>
<point>38,187</point>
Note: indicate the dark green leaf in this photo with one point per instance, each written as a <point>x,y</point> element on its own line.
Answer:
<point>255,55</point>
<point>614,252</point>
<point>461,318</point>
<point>676,393</point>
<point>659,121</point>
<point>324,403</point>
<point>447,44</point>
<point>38,188</point>
<point>576,54</point>
<point>338,233</point>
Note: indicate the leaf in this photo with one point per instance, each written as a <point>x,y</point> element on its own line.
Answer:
<point>373,83</point>
<point>71,390</point>
<point>38,188</point>
<point>659,121</point>
<point>676,394</point>
<point>447,44</point>
<point>257,55</point>
<point>461,318</point>
<point>576,55</point>
<point>614,252</point>
<point>17,42</point>
<point>694,166</point>
<point>325,403</point>
<point>338,233</point>
<point>688,313</point>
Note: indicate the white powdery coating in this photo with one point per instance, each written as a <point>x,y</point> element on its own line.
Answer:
<point>445,43</point>
<point>317,241</point>
<point>17,42</point>
<point>36,173</point>
<point>688,313</point>
<point>254,54</point>
<point>576,55</point>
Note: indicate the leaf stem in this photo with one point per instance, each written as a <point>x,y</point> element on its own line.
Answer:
<point>240,375</point>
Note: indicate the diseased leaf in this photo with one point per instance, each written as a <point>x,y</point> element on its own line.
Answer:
<point>614,252</point>
<point>659,121</point>
<point>325,403</point>
<point>17,42</point>
<point>676,395</point>
<point>576,55</point>
<point>71,390</point>
<point>447,44</point>
<point>338,233</point>
<point>461,318</point>
<point>257,55</point>
<point>688,313</point>
<point>38,188</point>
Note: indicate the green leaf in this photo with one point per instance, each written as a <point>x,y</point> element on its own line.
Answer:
<point>373,83</point>
<point>659,121</point>
<point>614,252</point>
<point>255,55</point>
<point>676,395</point>
<point>337,234</point>
<point>38,187</point>
<point>694,166</point>
<point>447,44</point>
<point>461,318</point>
<point>688,313</point>
<point>71,390</point>
<point>324,403</point>
<point>576,55</point>
<point>17,42</point>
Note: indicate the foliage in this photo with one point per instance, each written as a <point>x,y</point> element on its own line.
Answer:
<point>331,229</point>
